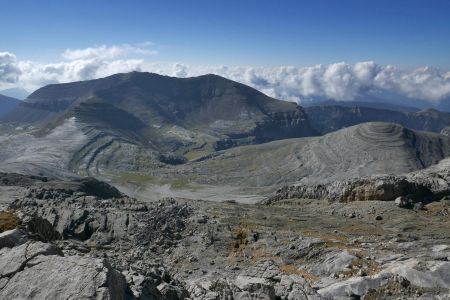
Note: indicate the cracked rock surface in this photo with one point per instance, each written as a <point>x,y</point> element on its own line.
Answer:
<point>75,244</point>
<point>37,270</point>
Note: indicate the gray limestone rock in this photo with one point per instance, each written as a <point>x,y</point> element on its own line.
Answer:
<point>37,270</point>
<point>354,286</point>
<point>12,238</point>
<point>403,202</point>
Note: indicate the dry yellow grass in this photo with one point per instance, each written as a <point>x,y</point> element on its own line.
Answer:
<point>293,270</point>
<point>263,254</point>
<point>240,237</point>
<point>8,221</point>
<point>438,209</point>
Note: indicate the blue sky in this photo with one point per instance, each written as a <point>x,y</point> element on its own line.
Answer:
<point>253,33</point>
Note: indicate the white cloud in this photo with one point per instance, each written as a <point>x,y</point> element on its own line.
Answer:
<point>340,81</point>
<point>9,72</point>
<point>423,83</point>
<point>109,52</point>
<point>35,75</point>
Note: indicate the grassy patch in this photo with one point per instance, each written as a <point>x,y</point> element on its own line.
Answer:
<point>142,179</point>
<point>240,235</point>
<point>136,177</point>
<point>194,154</point>
<point>368,266</point>
<point>263,254</point>
<point>8,221</point>
<point>293,270</point>
<point>330,240</point>
<point>179,184</point>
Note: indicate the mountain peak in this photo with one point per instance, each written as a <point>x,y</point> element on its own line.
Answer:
<point>17,93</point>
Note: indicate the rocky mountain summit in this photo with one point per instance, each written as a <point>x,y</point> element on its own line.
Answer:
<point>67,241</point>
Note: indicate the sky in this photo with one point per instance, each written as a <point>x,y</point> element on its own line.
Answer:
<point>276,44</point>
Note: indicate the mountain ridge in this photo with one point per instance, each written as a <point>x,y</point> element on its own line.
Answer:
<point>328,118</point>
<point>7,104</point>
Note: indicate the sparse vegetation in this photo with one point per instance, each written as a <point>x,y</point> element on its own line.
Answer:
<point>142,179</point>
<point>292,269</point>
<point>194,154</point>
<point>240,235</point>
<point>8,221</point>
<point>134,177</point>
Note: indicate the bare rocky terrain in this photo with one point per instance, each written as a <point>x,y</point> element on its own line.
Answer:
<point>87,240</point>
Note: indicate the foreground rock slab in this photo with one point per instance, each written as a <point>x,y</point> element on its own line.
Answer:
<point>38,270</point>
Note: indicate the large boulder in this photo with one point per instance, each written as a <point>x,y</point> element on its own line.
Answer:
<point>354,287</point>
<point>423,274</point>
<point>13,260</point>
<point>101,221</point>
<point>37,270</point>
<point>403,202</point>
<point>11,238</point>
<point>334,262</point>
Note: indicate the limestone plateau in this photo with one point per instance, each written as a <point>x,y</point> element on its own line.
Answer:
<point>142,186</point>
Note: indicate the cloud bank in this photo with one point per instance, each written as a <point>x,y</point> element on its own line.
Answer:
<point>9,72</point>
<point>109,52</point>
<point>339,81</point>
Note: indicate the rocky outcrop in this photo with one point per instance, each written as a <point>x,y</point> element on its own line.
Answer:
<point>15,179</point>
<point>100,221</point>
<point>37,270</point>
<point>66,189</point>
<point>385,188</point>
<point>52,255</point>
<point>262,281</point>
<point>79,221</point>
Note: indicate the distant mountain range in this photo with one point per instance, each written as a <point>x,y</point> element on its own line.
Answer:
<point>368,104</point>
<point>328,118</point>
<point>17,93</point>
